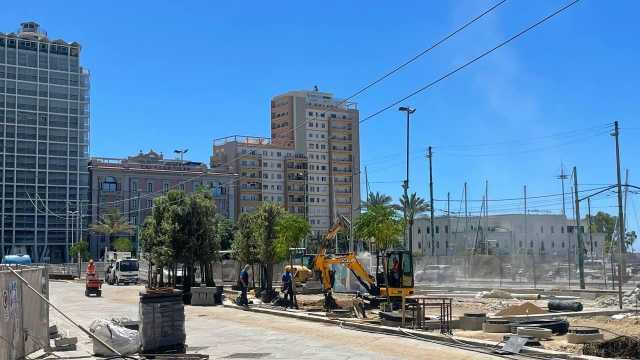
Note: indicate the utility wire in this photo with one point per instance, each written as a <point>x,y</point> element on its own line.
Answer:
<point>420,54</point>
<point>343,101</point>
<point>463,66</point>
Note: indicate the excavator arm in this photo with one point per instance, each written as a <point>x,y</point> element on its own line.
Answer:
<point>350,261</point>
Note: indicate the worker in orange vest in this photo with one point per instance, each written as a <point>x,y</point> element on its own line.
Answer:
<point>91,267</point>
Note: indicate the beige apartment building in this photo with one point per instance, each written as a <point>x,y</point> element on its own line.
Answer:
<point>326,131</point>
<point>310,164</point>
<point>266,172</point>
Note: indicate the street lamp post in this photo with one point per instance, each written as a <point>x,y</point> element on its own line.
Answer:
<point>405,186</point>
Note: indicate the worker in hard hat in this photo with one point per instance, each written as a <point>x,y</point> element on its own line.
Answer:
<point>91,267</point>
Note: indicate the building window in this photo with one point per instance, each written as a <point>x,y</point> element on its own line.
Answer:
<point>541,229</point>
<point>109,184</point>
<point>562,230</point>
<point>531,244</point>
<point>165,187</point>
<point>134,186</point>
<point>552,230</point>
<point>446,229</point>
<point>553,245</point>
<point>428,230</point>
<point>437,229</point>
<point>563,244</point>
<point>149,186</point>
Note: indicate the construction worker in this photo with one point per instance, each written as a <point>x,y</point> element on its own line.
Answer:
<point>91,267</point>
<point>244,283</point>
<point>287,287</point>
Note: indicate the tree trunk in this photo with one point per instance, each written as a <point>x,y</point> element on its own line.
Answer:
<point>161,270</point>
<point>269,277</point>
<point>411,236</point>
<point>253,275</point>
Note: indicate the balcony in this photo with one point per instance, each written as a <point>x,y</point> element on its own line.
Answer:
<point>341,148</point>
<point>296,178</point>
<point>342,170</point>
<point>341,138</point>
<point>348,159</point>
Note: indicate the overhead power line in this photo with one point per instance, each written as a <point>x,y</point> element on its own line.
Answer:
<point>360,91</point>
<point>463,66</point>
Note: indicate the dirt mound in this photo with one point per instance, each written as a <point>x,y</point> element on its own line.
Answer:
<point>526,308</point>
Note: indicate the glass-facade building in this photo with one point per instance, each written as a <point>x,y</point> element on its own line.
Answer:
<point>44,141</point>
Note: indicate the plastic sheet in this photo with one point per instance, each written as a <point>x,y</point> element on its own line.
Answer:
<point>120,338</point>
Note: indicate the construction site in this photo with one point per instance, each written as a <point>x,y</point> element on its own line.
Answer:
<point>334,305</point>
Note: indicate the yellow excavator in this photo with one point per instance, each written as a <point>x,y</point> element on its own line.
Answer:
<point>398,265</point>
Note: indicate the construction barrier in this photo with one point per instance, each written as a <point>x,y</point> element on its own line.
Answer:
<point>24,317</point>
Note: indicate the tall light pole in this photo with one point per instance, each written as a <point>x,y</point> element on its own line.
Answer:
<point>405,186</point>
<point>621,231</point>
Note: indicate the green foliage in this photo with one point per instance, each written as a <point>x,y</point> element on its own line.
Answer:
<point>376,199</point>
<point>80,248</point>
<point>122,244</point>
<point>244,245</point>
<point>607,224</point>
<point>266,219</point>
<point>380,224</point>
<point>224,231</point>
<point>291,229</point>
<point>111,224</point>
<point>412,205</point>
<point>182,229</point>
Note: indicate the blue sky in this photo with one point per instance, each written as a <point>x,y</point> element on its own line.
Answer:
<point>168,74</point>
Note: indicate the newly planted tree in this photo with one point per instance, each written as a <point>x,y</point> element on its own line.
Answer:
<point>245,247</point>
<point>267,217</point>
<point>291,230</point>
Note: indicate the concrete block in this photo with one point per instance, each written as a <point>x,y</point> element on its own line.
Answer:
<point>496,328</point>
<point>66,341</point>
<point>203,296</point>
<point>583,338</point>
<point>471,322</point>
<point>536,332</point>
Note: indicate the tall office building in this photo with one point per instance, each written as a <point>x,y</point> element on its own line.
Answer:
<point>44,137</point>
<point>326,131</point>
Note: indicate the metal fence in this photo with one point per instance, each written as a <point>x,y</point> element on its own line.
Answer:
<point>24,317</point>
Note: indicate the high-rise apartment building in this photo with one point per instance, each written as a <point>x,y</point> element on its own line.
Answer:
<point>44,128</point>
<point>325,130</point>
<point>265,172</point>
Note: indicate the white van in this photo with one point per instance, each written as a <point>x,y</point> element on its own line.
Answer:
<point>123,271</point>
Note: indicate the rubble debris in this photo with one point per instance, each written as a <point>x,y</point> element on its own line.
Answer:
<point>629,298</point>
<point>494,294</point>
<point>526,308</point>
<point>619,347</point>
<point>530,341</point>
<point>564,305</point>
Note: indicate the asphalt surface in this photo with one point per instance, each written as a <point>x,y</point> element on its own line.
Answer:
<point>229,333</point>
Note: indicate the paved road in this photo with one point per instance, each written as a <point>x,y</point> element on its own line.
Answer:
<point>225,332</point>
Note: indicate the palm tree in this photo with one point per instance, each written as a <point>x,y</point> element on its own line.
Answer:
<point>376,198</point>
<point>111,224</point>
<point>411,206</point>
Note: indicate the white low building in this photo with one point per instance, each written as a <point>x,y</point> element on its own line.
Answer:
<point>543,235</point>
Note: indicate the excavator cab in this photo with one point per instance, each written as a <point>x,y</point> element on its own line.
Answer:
<point>399,266</point>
